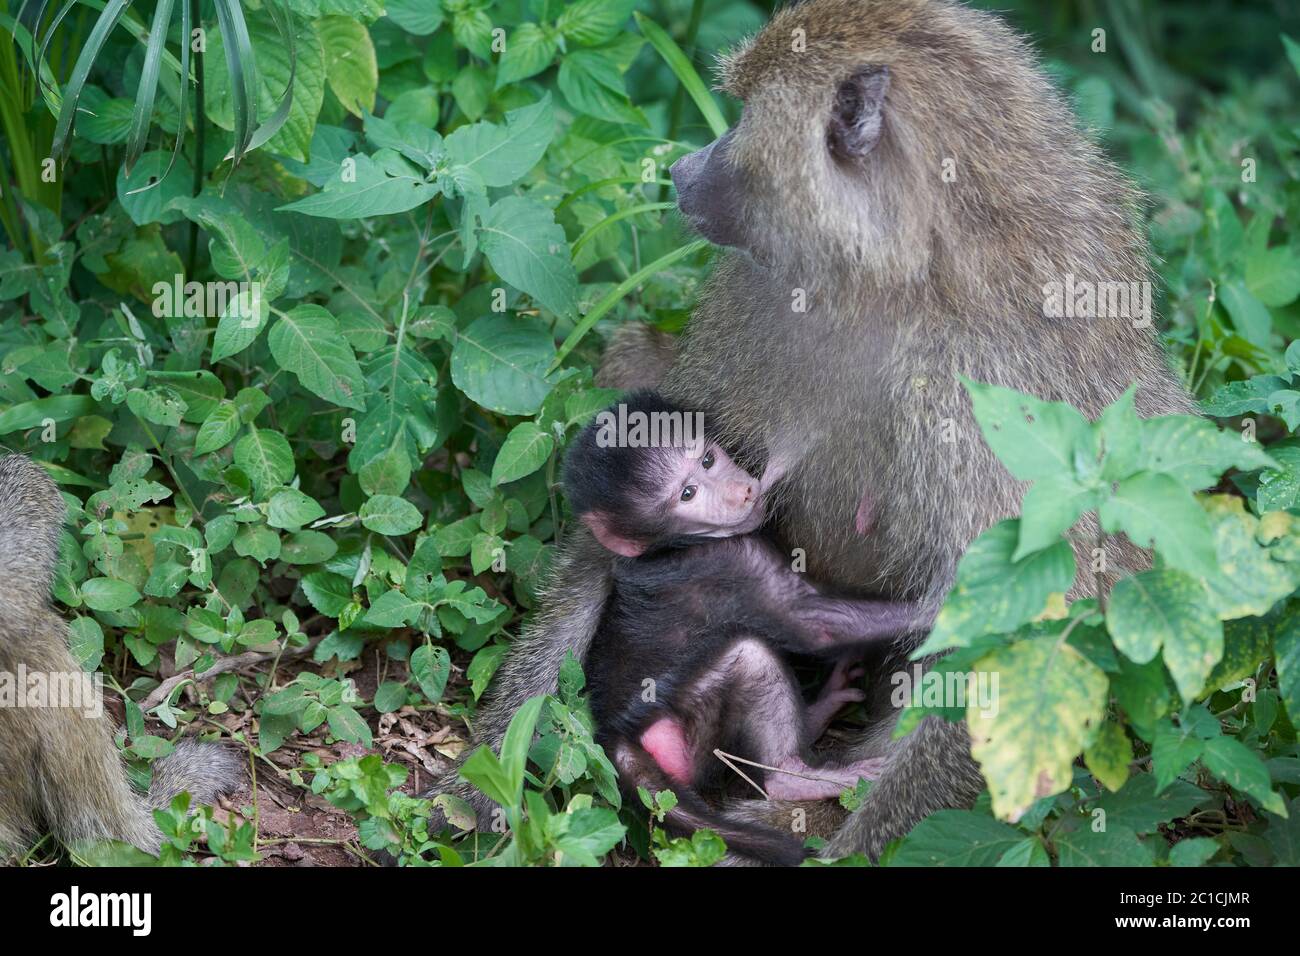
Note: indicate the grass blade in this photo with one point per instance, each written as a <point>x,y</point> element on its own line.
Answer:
<point>272,126</point>
<point>148,89</point>
<point>617,217</point>
<point>616,294</point>
<point>685,73</point>
<point>77,81</point>
<point>242,66</point>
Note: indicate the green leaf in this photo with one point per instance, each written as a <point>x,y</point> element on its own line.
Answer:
<point>218,430</point>
<point>420,17</point>
<point>1249,316</point>
<point>291,509</point>
<point>392,609</point>
<point>1108,756</point>
<point>1273,276</point>
<point>307,342</point>
<point>501,155</point>
<point>145,198</point>
<point>1155,509</point>
<point>347,724</point>
<point>1032,438</point>
<point>526,449</point>
<point>431,666</point>
<point>1195,452</point>
<point>1172,752</point>
<point>956,838</point>
<point>244,316</point>
<point>157,405</point>
<point>390,515</point>
<point>528,249</point>
<point>1169,609</point>
<point>589,22</point>
<point>1114,846</point>
<point>370,189</point>
<point>59,408</point>
<point>327,592</point>
<point>530,50</point>
<point>1051,507</point>
<point>502,362</point>
<point>108,594</point>
<point>993,594</point>
<point>1242,769</point>
<point>350,65</point>
<point>1050,699</point>
<point>1193,851</point>
<point>201,390</point>
<point>265,456</point>
<point>592,82</point>
<point>1247,580</point>
<point>1138,807</point>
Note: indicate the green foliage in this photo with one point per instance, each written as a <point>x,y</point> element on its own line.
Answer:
<point>304,365</point>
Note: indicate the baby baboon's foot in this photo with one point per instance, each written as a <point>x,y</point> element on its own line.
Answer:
<point>839,690</point>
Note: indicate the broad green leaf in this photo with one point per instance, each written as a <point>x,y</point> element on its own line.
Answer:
<point>431,666</point>
<point>390,515</point>
<point>526,449</point>
<point>420,17</point>
<point>1193,851</point>
<point>592,82</point>
<point>501,155</point>
<point>1051,507</point>
<point>1194,451</point>
<point>201,390</point>
<point>58,408</point>
<point>1167,609</point>
<point>265,456</point>
<point>307,342</point>
<point>528,249</point>
<point>243,318</point>
<point>1172,752</point>
<point>363,188</point>
<point>1108,756</point>
<point>144,197</point>
<point>350,65</point>
<point>956,838</point>
<point>501,363</point>
<point>1049,702</point>
<point>993,594</point>
<point>347,724</point>
<point>291,509</point>
<point>1113,846</point>
<point>160,406</point>
<point>1247,579</point>
<point>1250,317</point>
<point>307,547</point>
<point>86,642</point>
<point>108,594</point>
<point>1273,276</point>
<point>1279,486</point>
<point>1032,438</point>
<point>218,430</point>
<point>392,609</point>
<point>531,49</point>
<point>589,22</point>
<point>1242,769</point>
<point>327,592</point>
<point>1138,806</point>
<point>1155,509</point>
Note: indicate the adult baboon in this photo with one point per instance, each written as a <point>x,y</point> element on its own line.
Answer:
<point>903,184</point>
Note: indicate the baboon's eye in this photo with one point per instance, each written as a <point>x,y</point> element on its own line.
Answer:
<point>688,493</point>
<point>707,461</point>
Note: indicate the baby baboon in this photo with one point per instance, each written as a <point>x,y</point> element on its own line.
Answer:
<point>691,653</point>
<point>60,771</point>
<point>901,188</point>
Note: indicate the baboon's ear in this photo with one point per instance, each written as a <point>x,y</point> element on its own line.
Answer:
<point>858,116</point>
<point>609,538</point>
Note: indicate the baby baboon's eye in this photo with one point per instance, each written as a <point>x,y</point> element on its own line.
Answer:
<point>688,493</point>
<point>707,461</point>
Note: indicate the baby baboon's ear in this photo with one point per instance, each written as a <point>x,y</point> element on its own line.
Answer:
<point>601,527</point>
<point>858,116</point>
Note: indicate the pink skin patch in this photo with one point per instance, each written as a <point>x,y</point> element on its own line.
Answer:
<point>866,516</point>
<point>666,743</point>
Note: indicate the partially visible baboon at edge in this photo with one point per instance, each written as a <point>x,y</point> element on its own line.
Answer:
<point>901,187</point>
<point>60,771</point>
